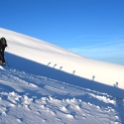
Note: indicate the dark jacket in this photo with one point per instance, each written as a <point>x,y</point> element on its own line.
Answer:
<point>2,48</point>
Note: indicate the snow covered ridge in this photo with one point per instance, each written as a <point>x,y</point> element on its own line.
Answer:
<point>39,57</point>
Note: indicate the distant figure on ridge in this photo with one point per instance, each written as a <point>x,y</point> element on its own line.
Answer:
<point>3,45</point>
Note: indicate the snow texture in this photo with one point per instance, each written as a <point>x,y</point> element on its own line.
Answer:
<point>45,84</point>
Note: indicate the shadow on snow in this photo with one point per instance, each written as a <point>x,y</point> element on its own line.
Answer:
<point>32,67</point>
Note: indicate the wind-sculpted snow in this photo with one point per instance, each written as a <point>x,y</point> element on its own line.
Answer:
<point>27,98</point>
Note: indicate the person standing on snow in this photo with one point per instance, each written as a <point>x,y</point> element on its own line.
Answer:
<point>3,45</point>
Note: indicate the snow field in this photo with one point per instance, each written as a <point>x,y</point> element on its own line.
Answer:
<point>29,103</point>
<point>58,58</point>
<point>46,84</point>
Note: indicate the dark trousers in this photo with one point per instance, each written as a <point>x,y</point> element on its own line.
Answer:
<point>2,55</point>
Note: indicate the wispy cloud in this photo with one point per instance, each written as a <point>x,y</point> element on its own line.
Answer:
<point>111,51</point>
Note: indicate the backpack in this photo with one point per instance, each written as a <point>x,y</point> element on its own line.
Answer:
<point>3,42</point>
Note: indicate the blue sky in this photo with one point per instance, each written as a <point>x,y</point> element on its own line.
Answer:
<point>92,28</point>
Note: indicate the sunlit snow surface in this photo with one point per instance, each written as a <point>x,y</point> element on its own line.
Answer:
<point>45,84</point>
<point>49,55</point>
<point>27,98</point>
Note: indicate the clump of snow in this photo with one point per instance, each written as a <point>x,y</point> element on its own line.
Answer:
<point>104,99</point>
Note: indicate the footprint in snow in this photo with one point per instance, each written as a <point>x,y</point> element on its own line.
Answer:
<point>20,120</point>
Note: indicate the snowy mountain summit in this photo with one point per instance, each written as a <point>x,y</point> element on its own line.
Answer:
<point>46,84</point>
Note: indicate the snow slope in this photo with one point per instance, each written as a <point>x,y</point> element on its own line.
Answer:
<point>45,84</point>
<point>32,99</point>
<point>39,57</point>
